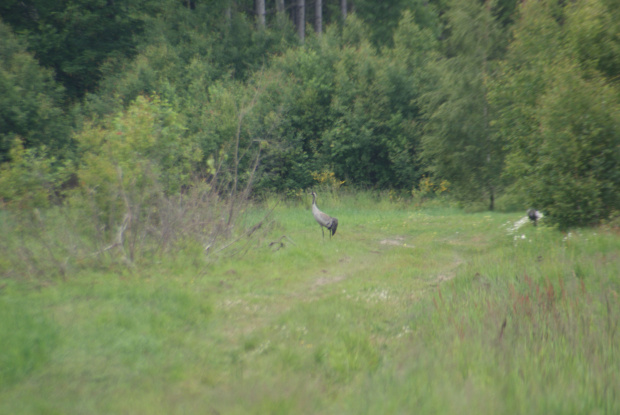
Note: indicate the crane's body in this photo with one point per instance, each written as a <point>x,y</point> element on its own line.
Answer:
<point>324,219</point>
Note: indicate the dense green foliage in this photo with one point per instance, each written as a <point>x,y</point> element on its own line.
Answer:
<point>31,101</point>
<point>490,98</point>
<point>458,143</point>
<point>558,111</point>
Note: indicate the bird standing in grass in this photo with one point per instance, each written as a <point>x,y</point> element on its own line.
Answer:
<point>324,219</point>
<point>534,215</point>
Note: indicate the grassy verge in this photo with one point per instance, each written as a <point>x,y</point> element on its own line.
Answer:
<point>403,311</point>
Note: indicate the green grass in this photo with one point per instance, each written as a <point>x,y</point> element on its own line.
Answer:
<point>401,312</point>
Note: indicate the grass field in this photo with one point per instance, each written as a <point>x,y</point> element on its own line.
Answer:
<point>404,311</point>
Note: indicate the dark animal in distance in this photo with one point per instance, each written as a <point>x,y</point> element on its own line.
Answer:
<point>534,215</point>
<point>324,219</point>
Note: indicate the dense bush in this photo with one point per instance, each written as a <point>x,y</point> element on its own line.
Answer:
<point>30,100</point>
<point>31,179</point>
<point>349,109</point>
<point>129,163</point>
<point>558,115</point>
<point>575,177</point>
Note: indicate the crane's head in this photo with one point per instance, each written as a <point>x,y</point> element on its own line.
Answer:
<point>313,194</point>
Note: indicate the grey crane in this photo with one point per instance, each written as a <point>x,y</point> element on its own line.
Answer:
<point>324,219</point>
<point>534,215</point>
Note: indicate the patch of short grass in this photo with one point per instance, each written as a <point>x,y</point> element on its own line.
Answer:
<point>28,337</point>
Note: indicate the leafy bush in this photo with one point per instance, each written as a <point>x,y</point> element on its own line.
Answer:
<point>429,189</point>
<point>327,181</point>
<point>31,179</point>
<point>557,110</point>
<point>30,101</point>
<point>138,157</point>
<point>303,96</point>
<point>372,140</point>
<point>348,108</point>
<point>576,179</point>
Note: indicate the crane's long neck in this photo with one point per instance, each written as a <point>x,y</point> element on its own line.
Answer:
<point>315,208</point>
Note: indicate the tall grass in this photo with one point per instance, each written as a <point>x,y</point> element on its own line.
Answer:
<point>404,310</point>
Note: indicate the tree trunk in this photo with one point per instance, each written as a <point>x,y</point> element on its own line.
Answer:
<point>318,16</point>
<point>260,13</point>
<point>228,13</point>
<point>301,19</point>
<point>280,6</point>
<point>343,8</point>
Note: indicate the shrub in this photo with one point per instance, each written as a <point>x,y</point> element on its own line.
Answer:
<point>30,101</point>
<point>429,189</point>
<point>30,179</point>
<point>135,159</point>
<point>576,178</point>
<point>327,181</point>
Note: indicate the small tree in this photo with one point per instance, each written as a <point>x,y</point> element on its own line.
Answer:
<point>458,143</point>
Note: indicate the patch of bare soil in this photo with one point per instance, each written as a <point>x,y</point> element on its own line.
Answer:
<point>446,277</point>
<point>395,241</point>
<point>328,280</point>
<point>448,274</point>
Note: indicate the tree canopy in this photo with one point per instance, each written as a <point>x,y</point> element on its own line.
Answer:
<point>492,98</point>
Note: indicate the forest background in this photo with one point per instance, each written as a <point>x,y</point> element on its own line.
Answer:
<point>503,104</point>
